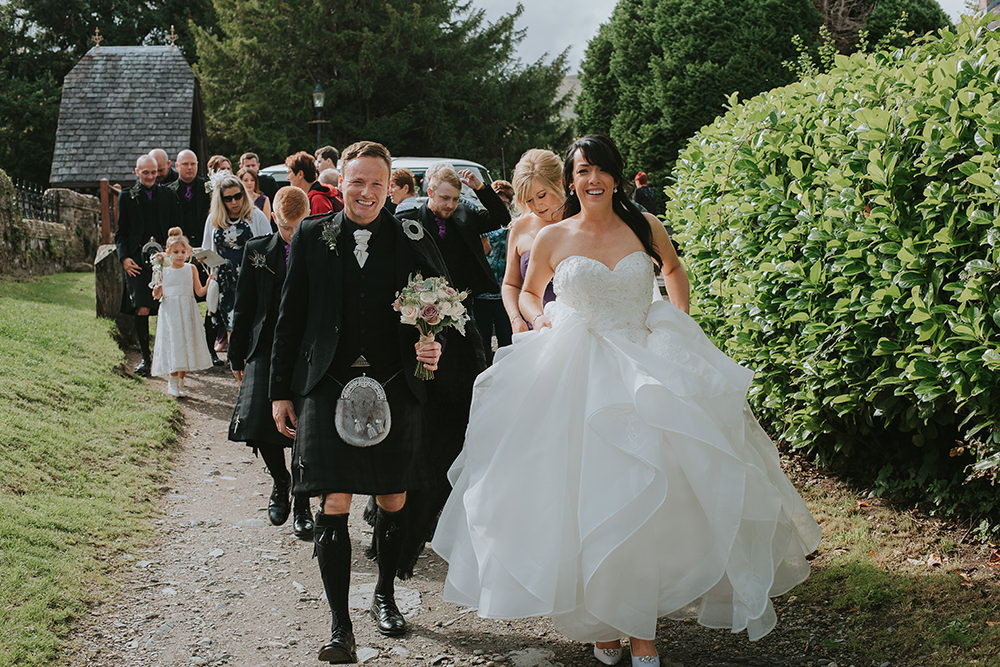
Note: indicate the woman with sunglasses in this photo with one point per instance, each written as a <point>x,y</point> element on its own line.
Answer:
<point>232,221</point>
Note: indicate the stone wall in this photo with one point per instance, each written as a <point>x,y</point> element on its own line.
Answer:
<point>32,247</point>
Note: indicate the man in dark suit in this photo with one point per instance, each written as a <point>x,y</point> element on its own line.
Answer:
<point>146,212</point>
<point>192,198</point>
<point>336,323</point>
<point>457,229</point>
<point>258,295</point>
<point>267,183</point>
<point>193,202</point>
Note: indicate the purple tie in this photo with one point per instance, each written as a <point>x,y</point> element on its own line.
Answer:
<point>188,193</point>
<point>288,249</point>
<point>442,227</point>
<point>149,195</point>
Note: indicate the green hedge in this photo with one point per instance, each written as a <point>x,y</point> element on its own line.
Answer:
<point>842,236</point>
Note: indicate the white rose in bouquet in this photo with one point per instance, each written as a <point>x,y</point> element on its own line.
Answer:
<point>408,314</point>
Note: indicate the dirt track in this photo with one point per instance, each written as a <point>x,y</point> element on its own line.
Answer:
<point>220,586</point>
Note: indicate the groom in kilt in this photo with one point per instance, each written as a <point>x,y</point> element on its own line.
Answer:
<point>336,323</point>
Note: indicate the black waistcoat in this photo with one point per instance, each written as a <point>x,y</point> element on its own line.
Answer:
<point>192,212</point>
<point>369,326</point>
<point>457,257</point>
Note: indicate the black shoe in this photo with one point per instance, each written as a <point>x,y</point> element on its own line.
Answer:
<point>302,521</point>
<point>217,362</point>
<point>390,622</point>
<point>143,368</point>
<point>340,649</point>
<point>280,504</point>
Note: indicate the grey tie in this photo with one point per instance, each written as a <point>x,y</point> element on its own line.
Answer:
<point>361,237</point>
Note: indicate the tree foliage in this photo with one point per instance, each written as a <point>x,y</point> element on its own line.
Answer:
<point>851,22</point>
<point>41,40</point>
<point>843,238</point>
<point>429,78</point>
<point>663,68</point>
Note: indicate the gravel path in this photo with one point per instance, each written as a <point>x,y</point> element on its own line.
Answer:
<point>220,586</point>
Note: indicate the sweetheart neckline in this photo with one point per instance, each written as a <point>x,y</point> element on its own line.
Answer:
<point>610,269</point>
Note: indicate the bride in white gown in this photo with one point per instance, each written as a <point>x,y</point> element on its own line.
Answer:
<point>613,472</point>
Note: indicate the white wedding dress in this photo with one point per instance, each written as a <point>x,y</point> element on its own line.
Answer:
<point>613,473</point>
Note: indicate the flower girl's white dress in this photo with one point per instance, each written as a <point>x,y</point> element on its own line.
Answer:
<point>613,473</point>
<point>180,337</point>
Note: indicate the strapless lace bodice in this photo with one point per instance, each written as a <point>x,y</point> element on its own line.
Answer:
<point>610,300</point>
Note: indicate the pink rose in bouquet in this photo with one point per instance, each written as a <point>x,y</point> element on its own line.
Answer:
<point>431,305</point>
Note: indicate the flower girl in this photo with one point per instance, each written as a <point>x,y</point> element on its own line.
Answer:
<point>180,341</point>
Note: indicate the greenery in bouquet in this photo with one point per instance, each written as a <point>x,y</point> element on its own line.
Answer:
<point>431,305</point>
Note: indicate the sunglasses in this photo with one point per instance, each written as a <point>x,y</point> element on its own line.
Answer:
<point>236,197</point>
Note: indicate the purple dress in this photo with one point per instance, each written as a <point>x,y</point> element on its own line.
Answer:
<point>550,294</point>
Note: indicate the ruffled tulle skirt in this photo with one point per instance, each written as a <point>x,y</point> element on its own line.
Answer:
<point>612,478</point>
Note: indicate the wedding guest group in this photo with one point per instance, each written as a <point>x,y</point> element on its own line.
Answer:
<point>603,469</point>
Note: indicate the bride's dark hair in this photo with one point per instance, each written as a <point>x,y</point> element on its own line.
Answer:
<point>600,150</point>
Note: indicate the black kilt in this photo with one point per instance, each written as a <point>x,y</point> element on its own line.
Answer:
<point>139,290</point>
<point>324,463</point>
<point>251,421</point>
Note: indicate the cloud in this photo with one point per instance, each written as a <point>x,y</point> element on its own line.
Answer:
<point>553,25</point>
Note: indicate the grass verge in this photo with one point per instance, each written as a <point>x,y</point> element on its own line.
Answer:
<point>891,585</point>
<point>81,450</point>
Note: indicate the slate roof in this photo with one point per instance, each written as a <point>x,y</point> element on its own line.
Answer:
<point>119,102</point>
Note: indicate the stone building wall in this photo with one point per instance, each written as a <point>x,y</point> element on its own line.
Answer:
<point>33,247</point>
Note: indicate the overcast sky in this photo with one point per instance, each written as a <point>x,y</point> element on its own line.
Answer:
<point>553,25</point>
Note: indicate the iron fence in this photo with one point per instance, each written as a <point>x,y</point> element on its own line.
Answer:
<point>32,202</point>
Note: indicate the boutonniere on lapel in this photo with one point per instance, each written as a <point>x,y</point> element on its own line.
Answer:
<point>135,190</point>
<point>413,229</point>
<point>259,261</point>
<point>331,233</point>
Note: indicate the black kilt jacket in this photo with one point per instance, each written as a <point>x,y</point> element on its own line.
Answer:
<point>255,314</point>
<point>139,220</point>
<point>472,224</point>
<point>308,329</point>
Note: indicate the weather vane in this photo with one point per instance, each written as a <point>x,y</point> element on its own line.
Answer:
<point>172,37</point>
<point>97,39</point>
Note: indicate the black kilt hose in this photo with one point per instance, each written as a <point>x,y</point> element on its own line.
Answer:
<point>334,314</point>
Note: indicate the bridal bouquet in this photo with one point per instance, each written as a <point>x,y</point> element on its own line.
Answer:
<point>158,262</point>
<point>431,305</point>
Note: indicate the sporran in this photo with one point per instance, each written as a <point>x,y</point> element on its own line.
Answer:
<point>362,417</point>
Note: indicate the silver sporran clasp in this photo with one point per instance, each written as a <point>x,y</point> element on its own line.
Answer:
<point>362,417</point>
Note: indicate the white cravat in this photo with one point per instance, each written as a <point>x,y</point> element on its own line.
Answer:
<point>361,237</point>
